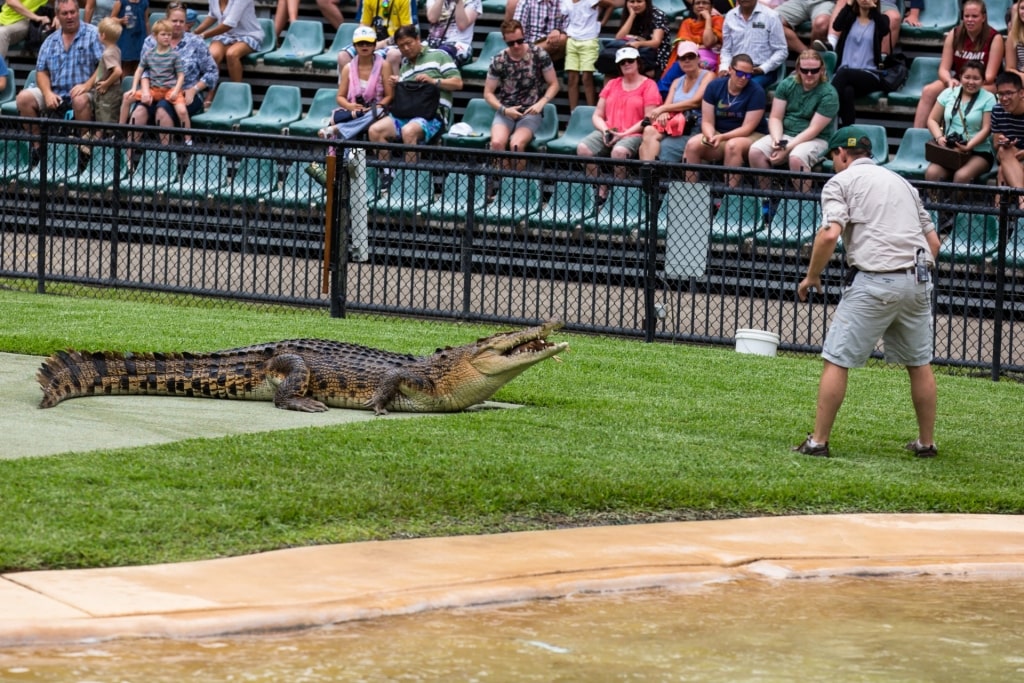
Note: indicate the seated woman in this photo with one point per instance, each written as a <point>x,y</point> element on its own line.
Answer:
<point>801,121</point>
<point>861,27</point>
<point>705,29</point>
<point>972,39</point>
<point>644,28</point>
<point>235,32</point>
<point>962,119</point>
<point>364,84</point>
<point>666,137</point>
<point>732,118</point>
<point>623,105</point>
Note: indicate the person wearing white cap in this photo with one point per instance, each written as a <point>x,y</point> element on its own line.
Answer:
<point>364,84</point>
<point>625,102</point>
<point>673,122</point>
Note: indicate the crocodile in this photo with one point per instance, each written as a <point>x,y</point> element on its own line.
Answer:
<point>308,375</point>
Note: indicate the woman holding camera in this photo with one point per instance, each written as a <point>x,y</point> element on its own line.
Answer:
<point>962,119</point>
<point>679,116</point>
<point>364,83</point>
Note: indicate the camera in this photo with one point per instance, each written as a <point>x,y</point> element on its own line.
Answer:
<point>380,25</point>
<point>360,100</point>
<point>954,139</point>
<point>782,144</point>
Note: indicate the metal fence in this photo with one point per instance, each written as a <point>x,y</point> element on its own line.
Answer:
<point>469,234</point>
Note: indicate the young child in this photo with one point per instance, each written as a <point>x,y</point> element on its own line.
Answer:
<point>165,80</point>
<point>581,47</point>
<point>105,83</point>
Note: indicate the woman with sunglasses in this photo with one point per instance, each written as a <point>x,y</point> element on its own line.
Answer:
<point>974,38</point>
<point>801,120</point>
<point>623,106</point>
<point>861,27</point>
<point>364,83</point>
<point>732,118</point>
<point>673,122</point>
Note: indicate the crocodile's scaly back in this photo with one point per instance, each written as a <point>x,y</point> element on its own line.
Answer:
<point>307,374</point>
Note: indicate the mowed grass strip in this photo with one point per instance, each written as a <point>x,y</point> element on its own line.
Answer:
<point>618,432</point>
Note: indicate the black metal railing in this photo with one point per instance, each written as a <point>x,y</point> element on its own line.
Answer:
<point>475,235</point>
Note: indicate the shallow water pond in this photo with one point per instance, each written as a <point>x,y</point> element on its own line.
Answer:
<point>835,630</point>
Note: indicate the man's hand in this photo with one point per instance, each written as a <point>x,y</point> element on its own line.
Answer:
<point>808,283</point>
<point>77,90</point>
<point>52,100</point>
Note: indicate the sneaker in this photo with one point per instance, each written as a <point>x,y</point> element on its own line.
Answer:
<point>85,150</point>
<point>318,173</point>
<point>920,451</point>
<point>384,185</point>
<point>188,142</point>
<point>328,132</point>
<point>33,158</point>
<point>822,46</point>
<point>818,450</point>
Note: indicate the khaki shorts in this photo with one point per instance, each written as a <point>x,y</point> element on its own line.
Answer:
<point>893,307</point>
<point>796,12</point>
<point>595,143</point>
<point>38,94</point>
<point>809,153</point>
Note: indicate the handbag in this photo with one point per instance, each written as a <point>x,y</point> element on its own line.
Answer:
<point>946,157</point>
<point>894,72</point>
<point>415,100</point>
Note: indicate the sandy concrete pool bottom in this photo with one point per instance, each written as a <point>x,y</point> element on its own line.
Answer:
<point>313,586</point>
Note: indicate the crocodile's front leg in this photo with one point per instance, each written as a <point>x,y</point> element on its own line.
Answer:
<point>289,372</point>
<point>390,386</point>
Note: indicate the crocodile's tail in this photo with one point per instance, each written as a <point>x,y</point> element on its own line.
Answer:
<point>70,374</point>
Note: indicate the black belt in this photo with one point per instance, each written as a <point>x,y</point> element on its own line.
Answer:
<point>911,270</point>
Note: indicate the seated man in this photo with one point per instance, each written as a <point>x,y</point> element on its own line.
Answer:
<point>543,24</point>
<point>419,63</point>
<point>1008,129</point>
<point>513,89</point>
<point>66,62</point>
<point>795,12</point>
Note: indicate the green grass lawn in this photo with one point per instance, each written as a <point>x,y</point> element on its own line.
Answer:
<point>618,432</point>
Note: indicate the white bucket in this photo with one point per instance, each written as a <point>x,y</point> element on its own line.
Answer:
<point>757,342</point>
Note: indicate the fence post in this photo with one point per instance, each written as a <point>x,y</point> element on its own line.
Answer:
<point>466,251</point>
<point>1000,291</point>
<point>651,182</point>
<point>43,194</point>
<point>338,218</point>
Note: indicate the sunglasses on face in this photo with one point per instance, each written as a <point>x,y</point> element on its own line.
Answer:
<point>689,56</point>
<point>517,41</point>
<point>743,75</point>
<point>175,5</point>
<point>810,72</point>
<point>627,61</point>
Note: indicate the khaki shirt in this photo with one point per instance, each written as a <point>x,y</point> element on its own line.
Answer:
<point>884,222</point>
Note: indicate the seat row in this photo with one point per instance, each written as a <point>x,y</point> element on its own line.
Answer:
<point>191,177</point>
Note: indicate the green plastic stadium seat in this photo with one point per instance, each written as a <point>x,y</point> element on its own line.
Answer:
<point>328,61</point>
<point>674,10</point>
<point>568,206</point>
<point>303,41</point>
<point>251,180</point>
<point>548,129</point>
<point>738,217</point>
<point>231,103</point>
<point>624,210</point>
<point>1015,245</point>
<point>62,163</point>
<point>282,104</point>
<point>517,199</point>
<point>974,238</point>
<point>493,44</point>
<point>479,116</point>
<point>298,190</point>
<point>14,158</point>
<point>453,202</point>
<point>879,145</point>
<point>909,160</point>
<point>206,174</point>
<point>410,192</point>
<point>319,115</point>
<point>796,222</point>
<point>996,10</point>
<point>156,170</point>
<point>581,123</point>
<point>98,174</point>
<point>923,70</point>
<point>936,20</point>
<point>7,94</point>
<point>10,107</point>
<point>266,45</point>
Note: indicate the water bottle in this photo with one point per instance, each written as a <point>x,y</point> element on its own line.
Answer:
<point>129,14</point>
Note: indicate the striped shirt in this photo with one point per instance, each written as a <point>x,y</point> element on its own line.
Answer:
<point>162,67</point>
<point>761,37</point>
<point>539,18</point>
<point>195,57</point>
<point>436,64</point>
<point>68,68</point>
<point>1010,125</point>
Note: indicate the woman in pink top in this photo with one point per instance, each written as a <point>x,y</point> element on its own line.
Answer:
<point>623,106</point>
